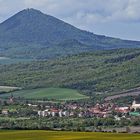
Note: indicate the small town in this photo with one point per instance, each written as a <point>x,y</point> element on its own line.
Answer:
<point>99,110</point>
<point>71,109</point>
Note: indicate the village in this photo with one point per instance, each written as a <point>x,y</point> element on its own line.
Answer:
<point>99,110</point>
<point>80,115</point>
<point>76,109</point>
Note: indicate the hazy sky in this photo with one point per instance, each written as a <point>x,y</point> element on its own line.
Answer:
<point>118,18</point>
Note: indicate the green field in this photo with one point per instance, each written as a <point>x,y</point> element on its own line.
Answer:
<point>5,60</point>
<point>49,93</point>
<point>48,135</point>
<point>5,89</point>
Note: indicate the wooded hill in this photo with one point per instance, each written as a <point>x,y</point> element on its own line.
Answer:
<point>101,71</point>
<point>35,35</point>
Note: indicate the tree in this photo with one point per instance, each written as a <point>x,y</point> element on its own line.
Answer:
<point>128,130</point>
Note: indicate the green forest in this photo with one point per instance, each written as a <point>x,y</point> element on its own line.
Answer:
<point>101,71</point>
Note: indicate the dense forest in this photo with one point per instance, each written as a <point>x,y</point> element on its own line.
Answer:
<point>101,71</point>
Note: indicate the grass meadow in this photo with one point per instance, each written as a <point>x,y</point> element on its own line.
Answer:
<point>49,135</point>
<point>49,93</point>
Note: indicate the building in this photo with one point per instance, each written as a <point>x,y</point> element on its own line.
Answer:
<point>43,113</point>
<point>135,105</point>
<point>122,109</point>
<point>5,112</point>
<point>136,114</point>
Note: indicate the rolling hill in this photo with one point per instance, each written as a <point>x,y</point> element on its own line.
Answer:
<point>32,34</point>
<point>100,71</point>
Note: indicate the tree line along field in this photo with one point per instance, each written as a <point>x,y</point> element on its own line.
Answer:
<point>49,135</point>
<point>101,71</point>
<point>47,93</point>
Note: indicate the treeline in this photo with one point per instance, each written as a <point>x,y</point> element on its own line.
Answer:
<point>73,124</point>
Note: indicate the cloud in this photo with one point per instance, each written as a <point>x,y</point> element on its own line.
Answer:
<point>95,11</point>
<point>84,14</point>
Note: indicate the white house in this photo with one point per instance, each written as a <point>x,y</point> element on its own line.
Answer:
<point>135,105</point>
<point>43,113</point>
<point>4,112</point>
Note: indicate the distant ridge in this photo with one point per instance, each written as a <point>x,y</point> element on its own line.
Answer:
<point>33,34</point>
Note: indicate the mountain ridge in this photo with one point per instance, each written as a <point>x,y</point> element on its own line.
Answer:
<point>33,34</point>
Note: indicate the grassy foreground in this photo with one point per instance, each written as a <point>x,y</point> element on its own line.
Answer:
<point>50,93</point>
<point>48,135</point>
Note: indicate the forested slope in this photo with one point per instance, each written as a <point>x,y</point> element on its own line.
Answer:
<point>101,71</point>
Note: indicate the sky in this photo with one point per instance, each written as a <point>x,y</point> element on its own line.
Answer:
<point>116,18</point>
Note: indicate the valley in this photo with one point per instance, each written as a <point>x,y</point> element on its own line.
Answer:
<point>60,82</point>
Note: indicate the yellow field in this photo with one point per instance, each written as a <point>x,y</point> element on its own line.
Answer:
<point>49,135</point>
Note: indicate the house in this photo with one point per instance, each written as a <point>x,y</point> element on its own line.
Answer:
<point>117,118</point>
<point>54,112</point>
<point>43,113</point>
<point>30,105</point>
<point>122,109</point>
<point>66,113</point>
<point>60,113</point>
<point>5,112</point>
<point>136,114</point>
<point>135,105</point>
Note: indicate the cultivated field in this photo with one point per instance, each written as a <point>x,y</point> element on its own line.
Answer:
<point>48,135</point>
<point>7,89</point>
<point>49,93</point>
<point>5,60</point>
<point>132,92</point>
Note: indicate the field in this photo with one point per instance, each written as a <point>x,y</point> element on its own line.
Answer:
<point>132,93</point>
<point>5,60</point>
<point>48,135</point>
<point>49,93</point>
<point>6,89</point>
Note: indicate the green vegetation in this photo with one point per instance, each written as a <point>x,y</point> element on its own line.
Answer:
<point>48,93</point>
<point>103,71</point>
<point>23,117</point>
<point>49,135</point>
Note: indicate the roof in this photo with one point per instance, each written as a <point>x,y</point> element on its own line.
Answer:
<point>134,113</point>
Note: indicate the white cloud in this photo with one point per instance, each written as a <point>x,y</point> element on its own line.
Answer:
<point>89,10</point>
